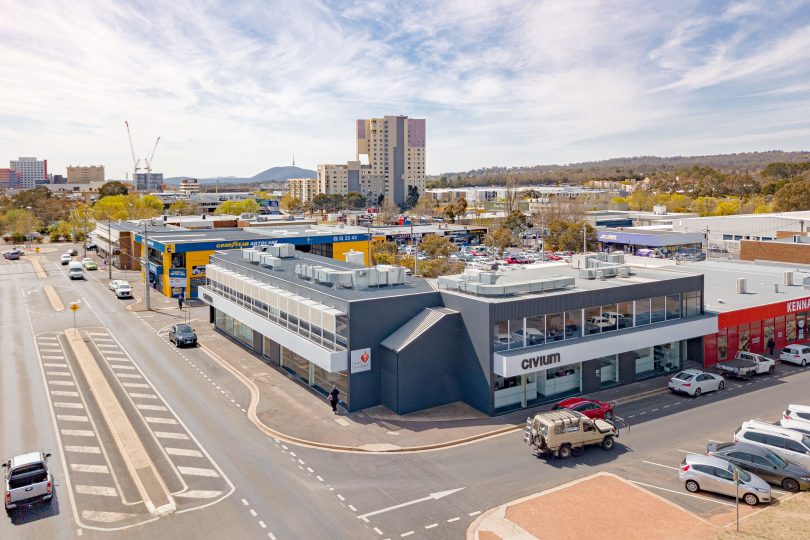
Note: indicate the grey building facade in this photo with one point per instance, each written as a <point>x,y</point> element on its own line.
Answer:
<point>496,341</point>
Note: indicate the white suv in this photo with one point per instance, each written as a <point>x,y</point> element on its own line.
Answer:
<point>796,354</point>
<point>797,418</point>
<point>791,445</point>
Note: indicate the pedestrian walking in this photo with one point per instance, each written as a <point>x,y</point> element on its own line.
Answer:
<point>180,301</point>
<point>771,345</point>
<point>333,398</point>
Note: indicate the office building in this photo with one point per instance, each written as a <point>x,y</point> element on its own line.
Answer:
<point>57,179</point>
<point>497,341</point>
<point>353,177</point>
<point>394,148</point>
<point>32,171</point>
<point>189,185</point>
<point>148,181</point>
<point>84,175</point>
<point>304,189</point>
<point>10,179</point>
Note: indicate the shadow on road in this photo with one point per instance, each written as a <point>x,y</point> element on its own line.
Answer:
<point>35,512</point>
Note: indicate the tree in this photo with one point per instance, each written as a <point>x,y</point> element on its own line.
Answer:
<point>512,195</point>
<point>412,198</point>
<point>320,202</point>
<point>287,202</point>
<point>571,238</point>
<point>236,208</point>
<point>437,246</point>
<point>641,199</point>
<point>434,268</point>
<point>516,221</point>
<point>388,212</point>
<point>112,188</point>
<point>501,238</point>
<point>183,208</point>
<point>792,196</point>
<point>354,200</point>
<point>455,208</point>
<point>727,207</point>
<point>426,206</point>
<point>383,252</point>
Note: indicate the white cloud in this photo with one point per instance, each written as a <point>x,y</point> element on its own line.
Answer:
<point>235,88</point>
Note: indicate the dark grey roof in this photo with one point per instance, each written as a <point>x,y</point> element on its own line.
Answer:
<point>283,276</point>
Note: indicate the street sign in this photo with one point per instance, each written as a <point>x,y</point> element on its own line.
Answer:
<point>74,306</point>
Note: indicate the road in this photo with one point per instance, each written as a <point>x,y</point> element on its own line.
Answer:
<point>190,415</point>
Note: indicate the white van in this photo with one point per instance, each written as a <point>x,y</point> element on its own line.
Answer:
<point>75,270</point>
<point>791,445</point>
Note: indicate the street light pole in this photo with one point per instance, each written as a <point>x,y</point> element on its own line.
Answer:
<point>145,254</point>
<point>109,250</point>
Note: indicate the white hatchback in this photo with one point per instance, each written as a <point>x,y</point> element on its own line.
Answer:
<point>695,382</point>
<point>796,354</point>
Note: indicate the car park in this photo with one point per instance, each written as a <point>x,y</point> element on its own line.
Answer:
<point>791,445</point>
<point>592,408</point>
<point>89,264</point>
<point>182,334</point>
<point>710,473</point>
<point>795,354</point>
<point>65,259</point>
<point>695,382</point>
<point>764,463</point>
<point>533,335</point>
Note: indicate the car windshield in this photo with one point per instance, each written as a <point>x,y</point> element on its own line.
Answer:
<point>183,328</point>
<point>684,376</point>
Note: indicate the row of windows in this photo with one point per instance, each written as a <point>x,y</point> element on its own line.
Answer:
<point>324,338</point>
<point>575,324</point>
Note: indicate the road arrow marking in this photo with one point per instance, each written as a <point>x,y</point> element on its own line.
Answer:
<point>431,497</point>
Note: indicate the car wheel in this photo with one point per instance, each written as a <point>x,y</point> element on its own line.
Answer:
<point>721,385</point>
<point>564,452</point>
<point>770,370</point>
<point>607,443</point>
<point>804,362</point>
<point>789,484</point>
<point>698,391</point>
<point>692,486</point>
<point>750,499</point>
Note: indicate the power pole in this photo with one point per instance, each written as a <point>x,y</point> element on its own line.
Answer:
<point>584,239</point>
<point>109,250</point>
<point>145,254</point>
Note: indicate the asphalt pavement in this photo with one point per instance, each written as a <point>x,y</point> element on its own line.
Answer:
<point>248,485</point>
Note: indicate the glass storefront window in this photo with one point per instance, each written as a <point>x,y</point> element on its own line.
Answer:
<point>610,317</point>
<point>500,336</point>
<point>642,312</point>
<point>801,326</point>
<point>625,310</point>
<point>691,303</point>
<point>658,310</point>
<point>790,329</point>
<point>555,326</point>
<point>593,320</point>
<point>767,333</point>
<point>536,330</point>
<point>573,324</point>
<point>673,307</point>
<point>324,380</point>
<point>644,361</point>
<point>564,380</point>
<point>516,334</point>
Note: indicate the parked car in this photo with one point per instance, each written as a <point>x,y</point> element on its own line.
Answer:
<point>797,412</point>
<point>795,354</point>
<point>75,270</point>
<point>791,445</point>
<point>695,382</point>
<point>27,480</point>
<point>65,259</point>
<point>182,334</point>
<point>795,425</point>
<point>11,255</point>
<point>592,408</point>
<point>709,473</point>
<point>763,463</point>
<point>114,283</point>
<point>747,364</point>
<point>89,264</point>
<point>91,247</point>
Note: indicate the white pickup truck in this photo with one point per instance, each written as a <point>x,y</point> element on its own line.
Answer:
<point>747,364</point>
<point>27,480</point>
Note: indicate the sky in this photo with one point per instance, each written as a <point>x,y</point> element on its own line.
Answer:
<point>233,88</point>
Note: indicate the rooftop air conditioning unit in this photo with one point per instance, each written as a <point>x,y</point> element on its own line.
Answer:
<point>247,254</point>
<point>255,256</point>
<point>742,285</point>
<point>286,251</point>
<point>269,261</point>
<point>788,278</point>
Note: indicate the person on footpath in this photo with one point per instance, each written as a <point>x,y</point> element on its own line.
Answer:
<point>771,345</point>
<point>180,301</point>
<point>334,396</point>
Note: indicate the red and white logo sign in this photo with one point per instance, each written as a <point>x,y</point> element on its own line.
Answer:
<point>361,360</point>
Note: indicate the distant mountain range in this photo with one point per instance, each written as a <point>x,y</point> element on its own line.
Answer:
<point>273,174</point>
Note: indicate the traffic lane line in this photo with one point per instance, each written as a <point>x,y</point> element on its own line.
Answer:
<point>682,493</point>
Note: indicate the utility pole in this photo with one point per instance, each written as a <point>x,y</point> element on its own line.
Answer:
<point>584,239</point>
<point>145,253</point>
<point>543,239</point>
<point>109,250</point>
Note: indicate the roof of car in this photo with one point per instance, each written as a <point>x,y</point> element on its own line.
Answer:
<point>692,371</point>
<point>746,447</point>
<point>701,459</point>
<point>797,346</point>
<point>774,429</point>
<point>26,459</point>
<point>799,408</point>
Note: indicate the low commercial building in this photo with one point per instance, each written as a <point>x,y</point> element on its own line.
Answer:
<point>178,258</point>
<point>497,341</point>
<point>189,185</point>
<point>459,234</point>
<point>789,247</point>
<point>726,232</point>
<point>645,242</point>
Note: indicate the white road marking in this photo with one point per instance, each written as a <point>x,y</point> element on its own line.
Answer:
<point>78,432</point>
<point>102,334</point>
<point>301,461</point>
<point>120,366</point>
<point>129,376</point>
<point>292,453</point>
<point>471,514</point>
<point>198,494</point>
<point>682,493</point>
<point>339,496</point>
<point>67,405</point>
<point>432,526</point>
<point>58,373</point>
<point>253,512</point>
<point>262,525</point>
<point>659,465</point>
<point>319,479</point>
<point>142,396</point>
<point>157,420</point>
<point>310,469</point>
<point>135,385</point>
<point>53,357</point>
<point>72,417</point>
<point>81,467</point>
<point>451,520</point>
<point>66,393</point>
<point>244,501</point>
<point>352,508</point>
<point>105,517</point>
<point>403,535</point>
<point>195,471</point>
<point>97,490</point>
<point>183,452</point>
<point>105,339</point>
<point>53,364</point>
<point>433,496</point>
<point>378,531</point>
<point>61,383</point>
<point>83,449</point>
<point>271,536</point>
<point>145,407</point>
<point>169,435</point>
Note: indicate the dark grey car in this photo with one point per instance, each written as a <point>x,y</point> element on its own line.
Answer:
<point>763,463</point>
<point>182,334</point>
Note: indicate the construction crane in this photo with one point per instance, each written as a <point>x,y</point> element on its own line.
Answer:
<point>148,167</point>
<point>135,161</point>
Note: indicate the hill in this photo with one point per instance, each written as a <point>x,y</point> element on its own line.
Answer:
<point>279,174</point>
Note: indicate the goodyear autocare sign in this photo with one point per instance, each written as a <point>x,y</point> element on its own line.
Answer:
<point>361,360</point>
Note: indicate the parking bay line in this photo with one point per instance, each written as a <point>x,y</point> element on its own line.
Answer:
<point>681,493</point>
<point>660,465</point>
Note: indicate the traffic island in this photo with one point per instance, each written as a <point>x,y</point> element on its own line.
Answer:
<point>599,506</point>
<point>53,298</point>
